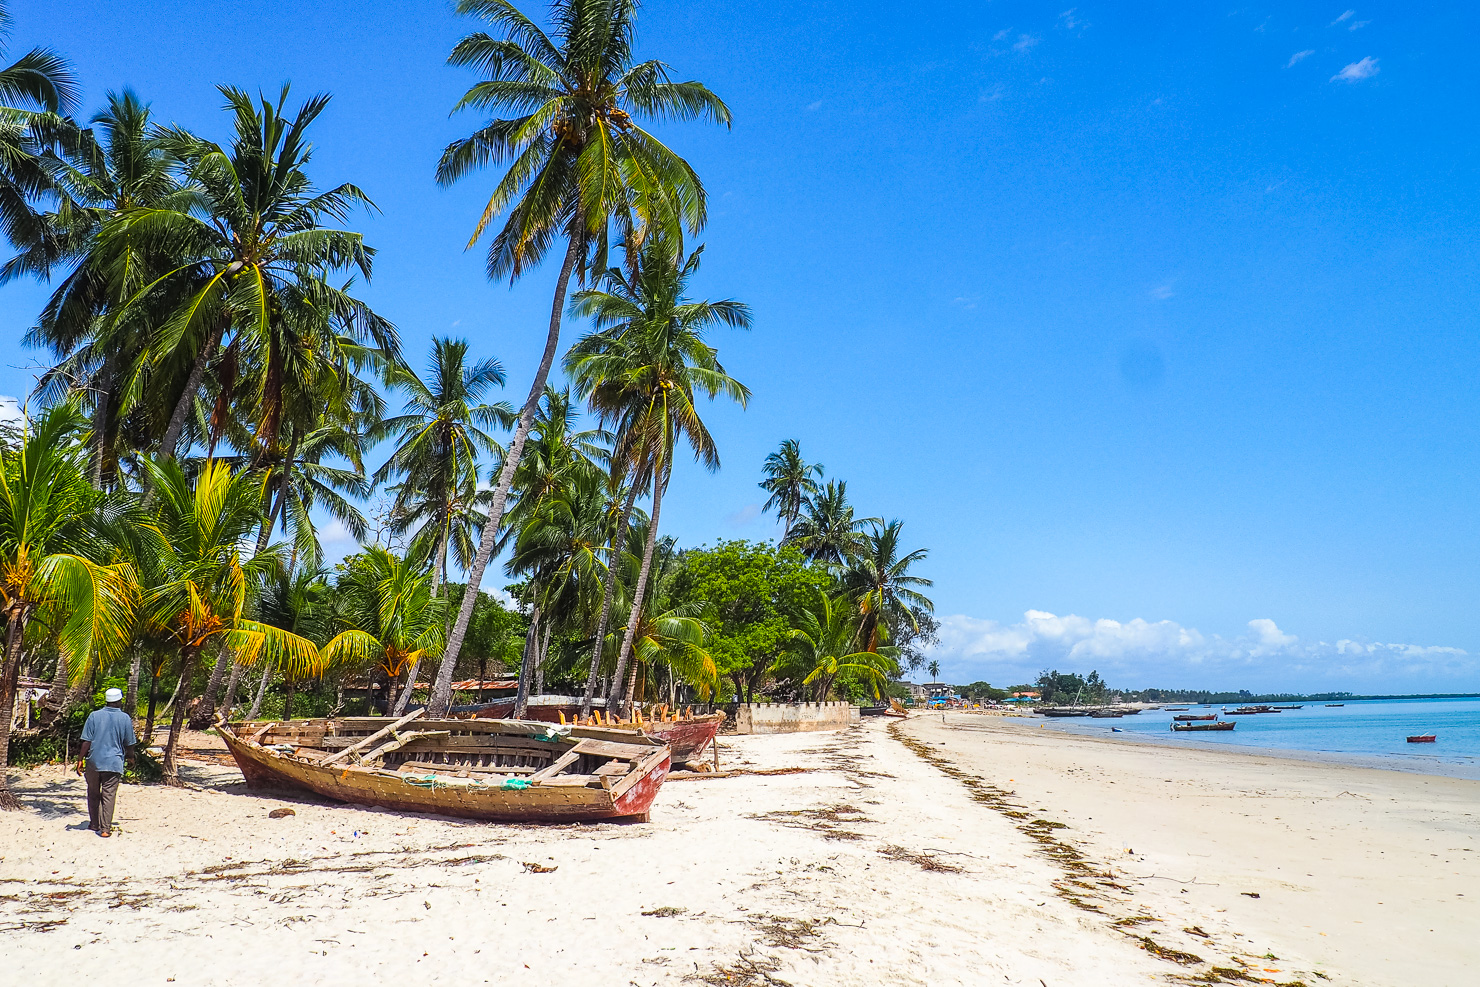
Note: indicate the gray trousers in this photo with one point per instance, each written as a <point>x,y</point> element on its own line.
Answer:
<point>102,791</point>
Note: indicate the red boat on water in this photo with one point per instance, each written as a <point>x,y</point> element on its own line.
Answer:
<point>1195,719</point>
<point>1424,738</point>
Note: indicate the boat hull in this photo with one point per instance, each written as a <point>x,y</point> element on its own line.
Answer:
<point>1202,727</point>
<point>631,798</point>
<point>688,738</point>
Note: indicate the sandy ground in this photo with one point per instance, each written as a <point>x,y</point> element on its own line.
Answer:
<point>815,878</point>
<point>1361,875</point>
<point>973,851</point>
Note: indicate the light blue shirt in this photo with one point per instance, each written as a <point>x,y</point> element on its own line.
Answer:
<point>111,733</point>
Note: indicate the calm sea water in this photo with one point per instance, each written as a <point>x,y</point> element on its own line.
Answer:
<point>1370,732</point>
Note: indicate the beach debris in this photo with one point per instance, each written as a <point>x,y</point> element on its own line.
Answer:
<point>535,868</point>
<point>924,861</point>
<point>747,972</point>
<point>667,911</point>
<point>1197,930</point>
<point>1166,953</point>
<point>1249,894</point>
<point>281,813</point>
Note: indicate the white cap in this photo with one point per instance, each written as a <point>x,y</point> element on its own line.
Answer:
<point>113,696</point>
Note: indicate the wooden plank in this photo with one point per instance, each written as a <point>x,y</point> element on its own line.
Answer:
<point>384,731</point>
<point>555,767</point>
<point>401,741</point>
<point>570,781</point>
<point>257,736</point>
<point>478,769</point>
<point>605,748</point>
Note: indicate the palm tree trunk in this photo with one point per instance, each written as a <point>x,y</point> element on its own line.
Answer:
<point>171,439</point>
<point>9,674</point>
<point>177,722</point>
<point>202,717</point>
<point>280,498</point>
<point>153,700</point>
<point>256,709</point>
<point>442,690</point>
<point>393,691</point>
<point>539,666</point>
<point>408,688</point>
<point>131,697</point>
<point>526,664</point>
<point>289,692</point>
<point>642,577</point>
<point>236,673</point>
<point>100,417</point>
<point>612,566</point>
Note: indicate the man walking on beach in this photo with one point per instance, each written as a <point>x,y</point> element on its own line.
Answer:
<point>107,741</point>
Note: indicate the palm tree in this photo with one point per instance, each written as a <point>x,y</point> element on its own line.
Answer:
<point>825,638</point>
<point>202,598</point>
<point>639,372</point>
<point>294,601</point>
<point>34,90</point>
<point>394,620</point>
<point>790,481</point>
<point>878,578</point>
<point>828,532</point>
<point>934,669</point>
<point>438,440</point>
<point>673,636</point>
<point>578,161</point>
<point>248,253</point>
<point>118,164</point>
<point>47,567</point>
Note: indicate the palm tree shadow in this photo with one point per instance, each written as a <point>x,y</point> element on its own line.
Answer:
<point>54,797</point>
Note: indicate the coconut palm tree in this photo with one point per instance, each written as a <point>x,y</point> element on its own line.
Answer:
<point>877,576</point>
<point>578,161</point>
<point>640,371</point>
<point>48,570</point>
<point>34,90</point>
<point>825,638</point>
<point>934,669</point>
<point>827,532</point>
<point>439,440</point>
<point>249,250</point>
<point>791,482</point>
<point>206,585</point>
<point>394,620</point>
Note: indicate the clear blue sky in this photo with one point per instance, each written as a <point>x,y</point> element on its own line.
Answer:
<point>1161,313</point>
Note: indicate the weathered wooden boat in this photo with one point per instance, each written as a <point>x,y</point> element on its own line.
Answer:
<point>1424,738</point>
<point>502,770</point>
<point>1107,714</point>
<point>687,736</point>
<point>1335,705</point>
<point>1186,727</point>
<point>1065,711</point>
<point>1176,709</point>
<point>1194,719</point>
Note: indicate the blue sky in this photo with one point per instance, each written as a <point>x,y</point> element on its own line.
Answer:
<point>1155,321</point>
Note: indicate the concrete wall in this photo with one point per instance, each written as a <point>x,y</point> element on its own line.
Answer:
<point>794,717</point>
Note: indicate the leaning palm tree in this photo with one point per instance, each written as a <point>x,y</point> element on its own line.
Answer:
<point>791,481</point>
<point>438,442</point>
<point>828,532</point>
<point>196,543</point>
<point>47,562</point>
<point>640,372</point>
<point>578,162</point>
<point>878,578</point>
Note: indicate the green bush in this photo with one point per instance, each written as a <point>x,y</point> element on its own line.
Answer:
<point>29,751</point>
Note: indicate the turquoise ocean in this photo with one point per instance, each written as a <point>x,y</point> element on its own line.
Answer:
<point>1366,732</point>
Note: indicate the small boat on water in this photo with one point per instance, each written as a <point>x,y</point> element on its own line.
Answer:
<point>1186,727</point>
<point>1107,714</point>
<point>1193,719</point>
<point>1065,711</point>
<point>1179,709</point>
<point>1335,705</point>
<point>501,770</point>
<point>1424,738</point>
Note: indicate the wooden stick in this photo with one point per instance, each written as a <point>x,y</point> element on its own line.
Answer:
<point>383,731</point>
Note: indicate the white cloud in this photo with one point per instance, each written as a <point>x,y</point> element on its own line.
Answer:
<point>744,516</point>
<point>1299,56</point>
<point>814,106</point>
<point>1346,16</point>
<point>1162,292</point>
<point>1070,19</point>
<point>1002,34</point>
<point>10,412</point>
<point>1357,71</point>
<point>1358,25</point>
<point>1140,653</point>
<point>1024,42</point>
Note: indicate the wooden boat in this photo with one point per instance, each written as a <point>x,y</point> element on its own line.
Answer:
<point>687,736</point>
<point>1107,714</point>
<point>1065,711</point>
<point>1178,709</point>
<point>1185,727</point>
<point>504,770</point>
<point>1190,719</point>
<point>1424,738</point>
<point>1335,705</point>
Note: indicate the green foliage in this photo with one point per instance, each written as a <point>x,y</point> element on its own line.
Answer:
<point>983,690</point>
<point>1067,687</point>
<point>749,593</point>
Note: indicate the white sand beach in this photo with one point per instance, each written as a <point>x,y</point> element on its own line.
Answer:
<point>874,866</point>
